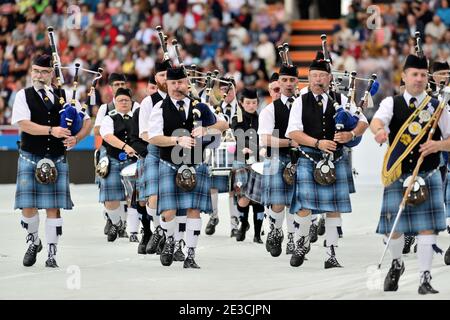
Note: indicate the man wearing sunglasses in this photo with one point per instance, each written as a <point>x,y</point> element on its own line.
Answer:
<point>274,87</point>
<point>115,81</point>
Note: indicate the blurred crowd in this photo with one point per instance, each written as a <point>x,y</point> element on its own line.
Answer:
<point>237,37</point>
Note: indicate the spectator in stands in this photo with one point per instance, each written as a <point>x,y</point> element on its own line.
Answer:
<point>435,28</point>
<point>414,25</point>
<point>266,51</point>
<point>49,18</point>
<point>101,18</point>
<point>171,19</point>
<point>275,31</point>
<point>144,65</point>
<point>444,12</point>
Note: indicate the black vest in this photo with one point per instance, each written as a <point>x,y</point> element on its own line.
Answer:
<point>281,115</point>
<point>249,125</point>
<point>172,121</point>
<point>401,113</point>
<point>317,124</point>
<point>156,97</point>
<point>47,144</point>
<point>122,130</point>
<point>135,142</point>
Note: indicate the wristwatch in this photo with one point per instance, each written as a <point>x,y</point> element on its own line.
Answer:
<point>317,144</point>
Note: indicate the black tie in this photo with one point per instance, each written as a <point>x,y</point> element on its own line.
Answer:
<point>48,103</point>
<point>228,111</point>
<point>412,103</point>
<point>289,103</point>
<point>180,104</point>
<point>319,100</point>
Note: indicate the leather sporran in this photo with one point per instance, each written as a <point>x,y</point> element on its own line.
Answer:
<point>419,192</point>
<point>46,171</point>
<point>289,173</point>
<point>102,167</point>
<point>325,172</point>
<point>186,178</point>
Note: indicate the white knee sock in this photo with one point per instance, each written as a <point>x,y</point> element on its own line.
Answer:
<point>168,227</point>
<point>215,203</point>
<point>234,213</point>
<point>115,215</point>
<point>332,235</point>
<point>53,230</point>
<point>133,220</point>
<point>302,227</point>
<point>180,228</point>
<point>193,227</point>
<point>425,251</point>
<point>32,226</point>
<point>153,216</point>
<point>276,218</point>
<point>396,247</point>
<point>290,221</point>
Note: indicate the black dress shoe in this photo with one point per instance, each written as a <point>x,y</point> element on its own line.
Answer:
<point>113,231</point>
<point>313,231</point>
<point>211,226</point>
<point>144,241</point>
<point>393,275</point>
<point>178,255</point>
<point>51,263</point>
<point>332,261</point>
<point>155,239</point>
<point>167,252</point>
<point>29,258</point>
<point>134,237</point>
<point>290,246</point>
<point>190,263</point>
<point>299,254</point>
<point>242,231</point>
<point>425,286</point>
<point>257,239</point>
<point>447,257</point>
<point>123,230</point>
<point>107,226</point>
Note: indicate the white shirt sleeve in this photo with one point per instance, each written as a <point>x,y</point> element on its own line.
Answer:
<point>156,121</point>
<point>266,122</point>
<point>295,117</point>
<point>100,115</point>
<point>20,110</point>
<point>386,111</point>
<point>144,115</point>
<point>107,126</point>
<point>135,106</point>
<point>444,123</point>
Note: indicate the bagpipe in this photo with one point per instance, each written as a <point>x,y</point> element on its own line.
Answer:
<point>70,117</point>
<point>345,120</point>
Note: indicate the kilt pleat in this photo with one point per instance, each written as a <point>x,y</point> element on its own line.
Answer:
<point>221,183</point>
<point>111,187</point>
<point>151,171</point>
<point>170,197</point>
<point>32,194</point>
<point>429,215</point>
<point>308,194</point>
<point>274,189</point>
<point>140,181</point>
<point>252,182</point>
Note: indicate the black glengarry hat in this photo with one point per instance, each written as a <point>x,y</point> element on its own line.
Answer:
<point>176,73</point>
<point>43,60</point>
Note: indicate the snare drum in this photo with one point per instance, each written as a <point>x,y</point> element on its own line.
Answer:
<point>129,177</point>
<point>253,191</point>
<point>221,160</point>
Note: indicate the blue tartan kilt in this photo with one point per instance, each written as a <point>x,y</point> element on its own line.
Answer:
<point>151,171</point>
<point>239,175</point>
<point>140,181</point>
<point>310,195</point>
<point>221,183</point>
<point>111,187</point>
<point>346,158</point>
<point>102,153</point>
<point>274,189</point>
<point>429,215</point>
<point>32,194</point>
<point>251,181</point>
<point>170,197</point>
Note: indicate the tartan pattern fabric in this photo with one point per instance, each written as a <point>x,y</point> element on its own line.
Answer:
<point>32,194</point>
<point>170,197</point>
<point>151,171</point>
<point>308,194</point>
<point>429,215</point>
<point>274,189</point>
<point>111,187</point>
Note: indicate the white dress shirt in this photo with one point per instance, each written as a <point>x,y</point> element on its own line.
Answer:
<point>107,126</point>
<point>266,121</point>
<point>21,110</point>
<point>146,110</point>
<point>101,113</point>
<point>295,118</point>
<point>386,112</point>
